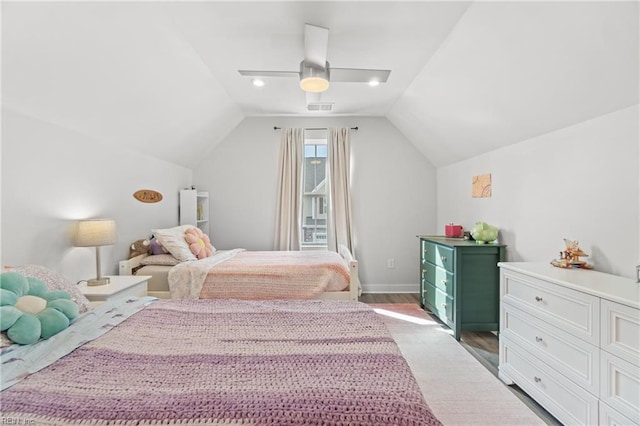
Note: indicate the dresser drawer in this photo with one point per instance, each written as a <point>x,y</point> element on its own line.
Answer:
<point>564,399</point>
<point>610,417</point>
<point>439,278</point>
<point>570,356</point>
<point>620,385</point>
<point>621,331</point>
<point>575,312</point>
<point>438,303</point>
<point>438,255</point>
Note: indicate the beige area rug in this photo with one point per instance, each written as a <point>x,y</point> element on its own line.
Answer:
<point>459,390</point>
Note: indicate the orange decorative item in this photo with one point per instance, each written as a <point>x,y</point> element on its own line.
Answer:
<point>148,196</point>
<point>570,257</point>
<point>199,242</point>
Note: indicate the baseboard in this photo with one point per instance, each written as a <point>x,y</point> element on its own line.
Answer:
<point>390,288</point>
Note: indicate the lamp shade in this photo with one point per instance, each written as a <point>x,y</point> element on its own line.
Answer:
<point>95,232</point>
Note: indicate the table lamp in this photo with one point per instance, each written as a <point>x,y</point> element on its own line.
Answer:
<point>96,233</point>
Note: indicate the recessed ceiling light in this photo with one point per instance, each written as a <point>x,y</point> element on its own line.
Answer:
<point>374,83</point>
<point>258,82</point>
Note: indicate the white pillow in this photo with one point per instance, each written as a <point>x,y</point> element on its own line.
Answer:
<point>173,240</point>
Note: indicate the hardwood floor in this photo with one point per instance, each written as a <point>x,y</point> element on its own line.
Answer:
<point>482,345</point>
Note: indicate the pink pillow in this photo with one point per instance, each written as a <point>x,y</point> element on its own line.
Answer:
<point>199,243</point>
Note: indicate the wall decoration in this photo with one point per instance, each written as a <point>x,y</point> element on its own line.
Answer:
<point>148,196</point>
<point>481,187</point>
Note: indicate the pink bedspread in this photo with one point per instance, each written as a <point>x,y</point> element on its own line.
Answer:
<point>267,275</point>
<point>229,362</point>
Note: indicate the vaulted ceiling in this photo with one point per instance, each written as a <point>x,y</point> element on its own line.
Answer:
<point>467,77</point>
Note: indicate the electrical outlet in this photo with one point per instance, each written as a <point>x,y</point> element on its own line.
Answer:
<point>391,263</point>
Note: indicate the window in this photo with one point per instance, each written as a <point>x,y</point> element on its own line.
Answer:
<point>313,234</point>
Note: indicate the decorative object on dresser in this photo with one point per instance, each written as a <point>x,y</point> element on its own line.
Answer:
<point>453,230</point>
<point>570,338</point>
<point>194,209</point>
<point>484,233</point>
<point>570,257</point>
<point>119,287</point>
<point>460,282</point>
<point>96,233</point>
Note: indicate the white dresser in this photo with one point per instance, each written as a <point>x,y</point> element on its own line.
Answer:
<point>570,338</point>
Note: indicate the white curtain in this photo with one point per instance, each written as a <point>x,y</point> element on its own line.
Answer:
<point>287,236</point>
<point>340,229</point>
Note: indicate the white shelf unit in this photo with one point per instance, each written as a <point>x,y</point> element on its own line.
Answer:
<point>194,209</point>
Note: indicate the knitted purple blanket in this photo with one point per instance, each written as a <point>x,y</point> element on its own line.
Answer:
<point>229,362</point>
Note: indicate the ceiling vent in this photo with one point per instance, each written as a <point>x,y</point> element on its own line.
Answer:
<point>320,107</point>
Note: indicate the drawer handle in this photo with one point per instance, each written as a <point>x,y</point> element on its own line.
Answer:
<point>444,258</point>
<point>538,339</point>
<point>537,379</point>
<point>443,281</point>
<point>538,299</point>
<point>424,291</point>
<point>444,305</point>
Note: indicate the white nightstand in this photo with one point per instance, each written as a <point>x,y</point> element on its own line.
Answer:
<point>120,286</point>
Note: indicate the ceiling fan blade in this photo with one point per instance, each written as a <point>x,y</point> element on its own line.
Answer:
<point>355,75</point>
<point>316,41</point>
<point>251,73</point>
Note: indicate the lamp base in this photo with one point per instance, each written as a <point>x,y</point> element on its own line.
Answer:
<point>98,281</point>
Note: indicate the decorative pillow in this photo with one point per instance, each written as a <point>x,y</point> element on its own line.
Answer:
<point>156,247</point>
<point>53,281</point>
<point>160,260</point>
<point>173,240</point>
<point>199,243</point>
<point>29,312</point>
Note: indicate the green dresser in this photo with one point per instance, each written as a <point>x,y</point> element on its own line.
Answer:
<point>460,282</point>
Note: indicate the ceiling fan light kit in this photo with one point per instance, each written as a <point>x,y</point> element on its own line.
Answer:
<point>315,70</point>
<point>314,79</point>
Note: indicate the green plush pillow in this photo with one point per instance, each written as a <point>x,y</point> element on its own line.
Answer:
<point>28,311</point>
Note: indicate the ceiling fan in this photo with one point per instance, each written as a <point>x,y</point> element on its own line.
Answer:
<point>315,72</point>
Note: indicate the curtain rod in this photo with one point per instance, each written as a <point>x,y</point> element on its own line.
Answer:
<point>313,128</point>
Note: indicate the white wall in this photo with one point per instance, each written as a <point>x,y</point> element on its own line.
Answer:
<point>394,193</point>
<point>52,176</point>
<point>579,183</point>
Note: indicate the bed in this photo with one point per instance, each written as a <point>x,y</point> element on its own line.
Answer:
<point>150,361</point>
<point>241,274</point>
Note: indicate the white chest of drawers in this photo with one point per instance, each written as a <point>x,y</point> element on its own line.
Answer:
<point>571,340</point>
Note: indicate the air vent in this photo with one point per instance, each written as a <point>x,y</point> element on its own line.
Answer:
<point>320,107</point>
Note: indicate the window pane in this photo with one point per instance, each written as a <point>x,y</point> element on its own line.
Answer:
<point>309,151</point>
<point>314,199</point>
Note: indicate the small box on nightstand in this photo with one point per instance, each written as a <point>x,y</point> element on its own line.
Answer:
<point>119,287</point>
